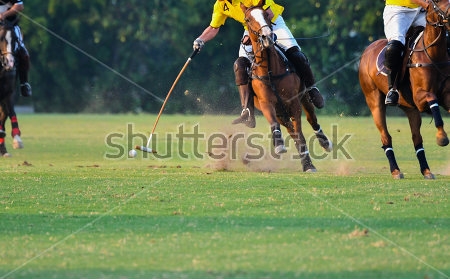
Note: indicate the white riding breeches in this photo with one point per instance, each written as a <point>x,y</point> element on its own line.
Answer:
<point>398,19</point>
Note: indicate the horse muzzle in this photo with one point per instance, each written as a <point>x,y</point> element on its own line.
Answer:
<point>266,37</point>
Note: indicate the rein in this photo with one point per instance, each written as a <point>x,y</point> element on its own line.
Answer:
<point>441,24</point>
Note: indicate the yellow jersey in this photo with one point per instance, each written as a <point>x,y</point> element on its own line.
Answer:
<point>224,9</point>
<point>403,3</point>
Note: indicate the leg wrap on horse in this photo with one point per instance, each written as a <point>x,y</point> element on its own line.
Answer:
<point>434,106</point>
<point>241,66</point>
<point>420,153</point>
<point>277,138</point>
<point>389,151</point>
<point>301,64</point>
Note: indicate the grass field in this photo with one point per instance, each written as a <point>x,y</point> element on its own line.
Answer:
<point>73,205</point>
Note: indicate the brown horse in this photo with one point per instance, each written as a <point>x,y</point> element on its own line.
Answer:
<point>8,43</point>
<point>279,92</point>
<point>425,85</point>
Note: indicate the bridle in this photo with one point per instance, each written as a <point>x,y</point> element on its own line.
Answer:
<point>258,32</point>
<point>442,23</point>
<point>443,20</point>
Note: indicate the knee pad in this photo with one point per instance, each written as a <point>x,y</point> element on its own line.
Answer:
<point>241,66</point>
<point>394,54</point>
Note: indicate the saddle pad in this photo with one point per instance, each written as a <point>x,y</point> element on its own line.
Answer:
<point>380,59</point>
<point>380,62</point>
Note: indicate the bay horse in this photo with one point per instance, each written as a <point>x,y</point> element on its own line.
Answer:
<point>278,91</point>
<point>424,88</point>
<point>8,45</point>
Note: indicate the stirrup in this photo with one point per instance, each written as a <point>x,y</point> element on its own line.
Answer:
<point>246,118</point>
<point>392,97</point>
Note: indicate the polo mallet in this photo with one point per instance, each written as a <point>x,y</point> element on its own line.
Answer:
<point>147,147</point>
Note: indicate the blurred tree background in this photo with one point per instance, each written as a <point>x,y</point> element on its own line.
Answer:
<point>115,56</point>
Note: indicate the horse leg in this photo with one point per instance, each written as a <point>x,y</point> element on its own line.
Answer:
<point>441,135</point>
<point>311,117</point>
<point>3,151</point>
<point>15,131</point>
<point>294,128</point>
<point>415,122</point>
<point>269,113</point>
<point>378,110</point>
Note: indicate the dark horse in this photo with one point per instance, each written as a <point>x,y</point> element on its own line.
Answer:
<point>8,44</point>
<point>425,85</point>
<point>279,92</point>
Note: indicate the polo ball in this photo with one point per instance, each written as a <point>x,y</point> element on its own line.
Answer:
<point>132,153</point>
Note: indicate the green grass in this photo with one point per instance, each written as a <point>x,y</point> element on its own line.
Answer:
<point>67,211</point>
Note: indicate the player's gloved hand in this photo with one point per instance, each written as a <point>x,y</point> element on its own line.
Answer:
<point>198,44</point>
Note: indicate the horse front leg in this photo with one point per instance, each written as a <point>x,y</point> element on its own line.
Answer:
<point>415,122</point>
<point>3,151</point>
<point>269,113</point>
<point>311,117</point>
<point>295,130</point>
<point>441,135</point>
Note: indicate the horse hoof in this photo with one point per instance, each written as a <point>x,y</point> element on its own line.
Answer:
<point>17,142</point>
<point>329,147</point>
<point>428,175</point>
<point>397,174</point>
<point>326,144</point>
<point>311,170</point>
<point>442,141</point>
<point>280,149</point>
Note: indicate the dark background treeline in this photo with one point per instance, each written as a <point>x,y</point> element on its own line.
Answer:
<point>122,56</point>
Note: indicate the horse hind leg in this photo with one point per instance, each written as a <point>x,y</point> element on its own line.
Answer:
<point>376,104</point>
<point>294,129</point>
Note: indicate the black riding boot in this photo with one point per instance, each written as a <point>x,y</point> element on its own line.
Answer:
<point>392,61</point>
<point>241,66</point>
<point>23,68</point>
<point>303,69</point>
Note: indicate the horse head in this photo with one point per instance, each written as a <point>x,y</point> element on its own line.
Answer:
<point>258,25</point>
<point>438,13</point>
<point>7,46</point>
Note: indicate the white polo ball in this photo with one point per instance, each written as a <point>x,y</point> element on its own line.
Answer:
<point>132,153</point>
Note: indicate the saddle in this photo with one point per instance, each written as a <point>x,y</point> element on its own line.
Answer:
<point>412,37</point>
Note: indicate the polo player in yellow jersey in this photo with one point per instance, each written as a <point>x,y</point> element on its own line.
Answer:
<point>398,17</point>
<point>224,9</point>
